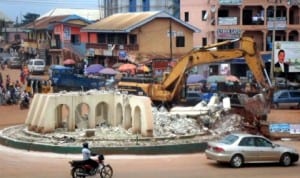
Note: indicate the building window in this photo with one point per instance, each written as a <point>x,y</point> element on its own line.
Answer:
<point>121,39</point>
<point>146,5</point>
<point>204,15</point>
<point>204,41</point>
<point>186,16</point>
<point>17,37</point>
<point>180,41</point>
<point>101,38</point>
<point>132,5</point>
<point>132,39</point>
<point>110,38</point>
<point>75,39</point>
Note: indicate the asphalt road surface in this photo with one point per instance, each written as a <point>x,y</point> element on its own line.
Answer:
<point>27,164</point>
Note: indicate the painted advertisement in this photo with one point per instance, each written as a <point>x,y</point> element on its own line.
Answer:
<point>295,128</point>
<point>279,127</point>
<point>287,56</point>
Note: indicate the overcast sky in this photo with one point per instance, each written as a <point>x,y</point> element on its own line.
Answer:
<point>18,8</point>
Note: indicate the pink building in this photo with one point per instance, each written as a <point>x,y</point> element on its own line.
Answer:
<point>222,19</point>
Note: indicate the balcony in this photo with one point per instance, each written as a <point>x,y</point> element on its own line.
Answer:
<point>130,47</point>
<point>228,21</point>
<point>230,2</point>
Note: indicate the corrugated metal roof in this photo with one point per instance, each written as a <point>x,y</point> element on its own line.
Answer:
<point>90,14</point>
<point>125,22</point>
<point>43,23</point>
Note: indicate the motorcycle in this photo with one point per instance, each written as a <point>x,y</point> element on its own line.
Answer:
<point>81,170</point>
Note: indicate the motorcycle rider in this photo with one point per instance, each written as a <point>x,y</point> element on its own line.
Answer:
<point>86,153</point>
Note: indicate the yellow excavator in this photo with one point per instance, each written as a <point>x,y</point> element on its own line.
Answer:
<point>170,89</point>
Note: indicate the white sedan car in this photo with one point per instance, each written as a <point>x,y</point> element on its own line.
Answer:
<point>241,148</point>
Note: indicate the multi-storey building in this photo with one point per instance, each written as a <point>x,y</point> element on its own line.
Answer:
<point>263,20</point>
<point>121,6</point>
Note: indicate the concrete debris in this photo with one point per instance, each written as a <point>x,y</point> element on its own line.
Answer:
<point>209,117</point>
<point>203,108</point>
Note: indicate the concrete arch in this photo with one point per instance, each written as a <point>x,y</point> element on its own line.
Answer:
<point>119,114</point>
<point>87,109</point>
<point>62,115</point>
<point>82,115</point>
<point>127,123</point>
<point>137,120</point>
<point>101,114</point>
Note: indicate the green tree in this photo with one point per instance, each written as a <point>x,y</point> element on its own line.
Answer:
<point>29,17</point>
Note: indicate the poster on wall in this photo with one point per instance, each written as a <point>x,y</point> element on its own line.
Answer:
<point>295,129</point>
<point>279,127</point>
<point>287,56</point>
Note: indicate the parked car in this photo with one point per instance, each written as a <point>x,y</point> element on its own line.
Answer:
<point>286,98</point>
<point>282,83</point>
<point>4,57</point>
<point>14,62</point>
<point>37,66</point>
<point>240,148</point>
<point>193,98</point>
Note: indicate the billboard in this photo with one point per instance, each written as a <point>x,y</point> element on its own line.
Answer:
<point>289,51</point>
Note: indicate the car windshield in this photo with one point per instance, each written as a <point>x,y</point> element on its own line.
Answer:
<point>229,139</point>
<point>39,62</point>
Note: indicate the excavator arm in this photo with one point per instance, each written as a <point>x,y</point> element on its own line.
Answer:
<point>204,55</point>
<point>173,83</point>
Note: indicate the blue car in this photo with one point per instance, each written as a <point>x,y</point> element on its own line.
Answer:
<point>286,98</point>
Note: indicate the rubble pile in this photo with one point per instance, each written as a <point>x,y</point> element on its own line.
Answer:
<point>167,125</point>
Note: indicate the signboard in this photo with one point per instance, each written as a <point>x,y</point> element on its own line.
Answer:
<point>230,2</point>
<point>294,2</point>
<point>279,127</point>
<point>280,23</point>
<point>228,33</point>
<point>227,20</point>
<point>292,54</point>
<point>295,129</point>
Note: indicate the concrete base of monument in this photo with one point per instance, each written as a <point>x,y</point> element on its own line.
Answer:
<point>106,143</point>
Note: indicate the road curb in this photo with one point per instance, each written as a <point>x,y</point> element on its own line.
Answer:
<point>157,149</point>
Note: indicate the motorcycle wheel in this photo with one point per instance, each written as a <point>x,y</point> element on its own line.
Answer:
<point>77,172</point>
<point>106,171</point>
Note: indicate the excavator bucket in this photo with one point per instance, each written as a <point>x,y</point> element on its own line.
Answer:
<point>258,105</point>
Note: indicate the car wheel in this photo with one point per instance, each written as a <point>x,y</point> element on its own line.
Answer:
<point>286,159</point>
<point>237,161</point>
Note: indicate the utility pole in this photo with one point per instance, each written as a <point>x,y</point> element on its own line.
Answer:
<point>273,42</point>
<point>171,35</point>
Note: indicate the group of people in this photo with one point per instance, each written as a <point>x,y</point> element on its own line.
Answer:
<point>11,92</point>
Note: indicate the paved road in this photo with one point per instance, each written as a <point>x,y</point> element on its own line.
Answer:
<point>26,164</point>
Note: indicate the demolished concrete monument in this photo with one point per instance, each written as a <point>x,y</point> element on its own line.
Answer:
<point>109,107</point>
